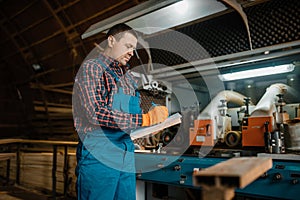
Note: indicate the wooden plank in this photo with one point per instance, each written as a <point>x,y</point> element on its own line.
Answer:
<point>235,172</point>
<point>52,104</point>
<point>53,142</point>
<point>5,156</point>
<point>9,141</point>
<point>53,109</point>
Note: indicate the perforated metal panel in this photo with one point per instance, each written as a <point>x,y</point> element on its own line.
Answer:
<point>147,99</point>
<point>273,22</point>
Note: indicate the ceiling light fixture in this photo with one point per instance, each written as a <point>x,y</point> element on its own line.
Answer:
<point>127,15</point>
<point>156,15</point>
<point>36,67</point>
<point>280,69</point>
<point>181,7</point>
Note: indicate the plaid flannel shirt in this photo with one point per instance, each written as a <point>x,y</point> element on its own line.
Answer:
<point>94,89</point>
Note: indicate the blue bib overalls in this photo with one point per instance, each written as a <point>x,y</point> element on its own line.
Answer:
<point>105,157</point>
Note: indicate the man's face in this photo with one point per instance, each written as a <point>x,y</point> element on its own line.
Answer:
<point>122,50</point>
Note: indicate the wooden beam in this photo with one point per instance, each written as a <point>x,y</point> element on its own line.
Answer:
<point>9,125</point>
<point>52,104</point>
<point>53,142</point>
<point>45,88</point>
<point>52,109</point>
<point>219,181</point>
<point>67,6</point>
<point>23,9</point>
<point>54,116</point>
<point>58,90</point>
<point>98,14</point>
<point>55,130</point>
<point>15,42</point>
<point>44,39</point>
<point>60,85</point>
<point>42,74</point>
<point>23,30</point>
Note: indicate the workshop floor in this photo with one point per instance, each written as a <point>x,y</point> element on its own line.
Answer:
<point>21,193</point>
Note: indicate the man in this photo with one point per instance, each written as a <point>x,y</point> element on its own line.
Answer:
<point>106,107</point>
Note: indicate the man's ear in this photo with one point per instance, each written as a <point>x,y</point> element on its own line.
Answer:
<point>110,41</point>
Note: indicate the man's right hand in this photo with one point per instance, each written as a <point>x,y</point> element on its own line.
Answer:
<point>156,115</point>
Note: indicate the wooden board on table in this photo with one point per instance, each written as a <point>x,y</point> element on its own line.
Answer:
<point>235,172</point>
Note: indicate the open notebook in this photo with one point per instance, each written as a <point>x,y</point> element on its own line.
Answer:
<point>170,121</point>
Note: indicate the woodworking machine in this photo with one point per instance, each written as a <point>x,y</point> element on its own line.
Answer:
<point>218,133</point>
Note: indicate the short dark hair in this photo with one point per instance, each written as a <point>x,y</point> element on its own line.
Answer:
<point>119,30</point>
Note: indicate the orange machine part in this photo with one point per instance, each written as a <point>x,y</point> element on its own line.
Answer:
<point>253,130</point>
<point>202,133</point>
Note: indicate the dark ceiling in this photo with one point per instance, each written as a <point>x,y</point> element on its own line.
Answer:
<point>44,34</point>
<point>47,33</point>
<point>42,49</point>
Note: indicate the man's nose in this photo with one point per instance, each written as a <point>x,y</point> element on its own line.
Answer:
<point>130,52</point>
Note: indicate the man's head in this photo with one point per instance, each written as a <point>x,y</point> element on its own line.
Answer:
<point>121,42</point>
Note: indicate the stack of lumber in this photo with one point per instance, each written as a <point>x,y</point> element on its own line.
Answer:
<point>36,171</point>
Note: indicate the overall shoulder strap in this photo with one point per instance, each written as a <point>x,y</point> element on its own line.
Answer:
<point>107,69</point>
<point>117,78</point>
<point>135,86</point>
